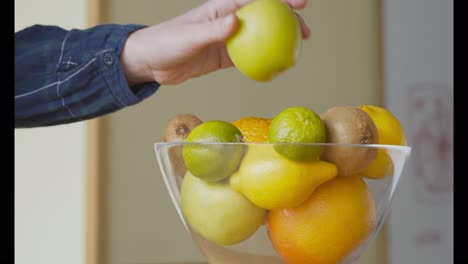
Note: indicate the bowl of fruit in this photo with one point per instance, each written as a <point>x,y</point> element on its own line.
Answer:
<point>297,188</point>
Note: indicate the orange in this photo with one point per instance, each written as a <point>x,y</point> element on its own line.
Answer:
<point>336,219</point>
<point>254,129</point>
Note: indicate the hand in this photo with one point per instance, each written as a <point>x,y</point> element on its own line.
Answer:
<point>187,46</point>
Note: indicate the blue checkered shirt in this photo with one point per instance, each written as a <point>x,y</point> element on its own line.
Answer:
<point>64,76</point>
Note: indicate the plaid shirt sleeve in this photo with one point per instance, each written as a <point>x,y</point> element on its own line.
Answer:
<point>66,76</point>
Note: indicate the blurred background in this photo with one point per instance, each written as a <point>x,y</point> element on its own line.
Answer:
<point>397,54</point>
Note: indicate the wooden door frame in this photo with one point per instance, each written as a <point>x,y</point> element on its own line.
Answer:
<point>96,244</point>
<point>381,86</point>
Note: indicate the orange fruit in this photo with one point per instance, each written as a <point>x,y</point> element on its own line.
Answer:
<point>253,128</point>
<point>336,219</point>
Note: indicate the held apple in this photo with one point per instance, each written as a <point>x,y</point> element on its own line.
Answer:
<point>267,41</point>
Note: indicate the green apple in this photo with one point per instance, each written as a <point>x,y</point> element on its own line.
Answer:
<point>267,41</point>
<point>217,212</point>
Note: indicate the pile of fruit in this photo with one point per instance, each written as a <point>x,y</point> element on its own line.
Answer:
<point>312,197</point>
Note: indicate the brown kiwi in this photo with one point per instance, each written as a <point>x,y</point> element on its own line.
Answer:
<point>177,129</point>
<point>349,125</point>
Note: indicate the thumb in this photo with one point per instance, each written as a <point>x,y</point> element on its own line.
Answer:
<point>215,30</point>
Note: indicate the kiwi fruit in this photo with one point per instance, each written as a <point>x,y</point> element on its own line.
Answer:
<point>177,129</point>
<point>346,124</point>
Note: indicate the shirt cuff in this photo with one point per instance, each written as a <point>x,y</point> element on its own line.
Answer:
<point>113,72</point>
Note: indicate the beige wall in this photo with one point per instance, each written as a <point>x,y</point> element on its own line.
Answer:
<point>49,165</point>
<point>338,65</point>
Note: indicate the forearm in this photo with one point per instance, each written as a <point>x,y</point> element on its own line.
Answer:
<point>136,71</point>
<point>67,76</point>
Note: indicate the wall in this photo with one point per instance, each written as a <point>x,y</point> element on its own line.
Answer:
<point>49,165</point>
<point>338,65</point>
<point>419,82</point>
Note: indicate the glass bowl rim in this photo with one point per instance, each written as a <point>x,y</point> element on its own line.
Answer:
<point>379,146</point>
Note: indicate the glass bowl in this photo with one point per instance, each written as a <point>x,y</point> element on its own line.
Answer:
<point>293,203</point>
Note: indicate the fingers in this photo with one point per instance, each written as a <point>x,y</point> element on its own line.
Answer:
<point>220,8</point>
<point>217,30</point>
<point>214,9</point>
<point>224,58</point>
<point>304,28</point>
<point>300,4</point>
<point>296,4</point>
<point>224,7</point>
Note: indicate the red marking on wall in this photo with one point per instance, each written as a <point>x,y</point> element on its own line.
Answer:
<point>430,134</point>
<point>429,237</point>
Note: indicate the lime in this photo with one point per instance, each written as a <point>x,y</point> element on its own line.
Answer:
<point>213,162</point>
<point>297,125</point>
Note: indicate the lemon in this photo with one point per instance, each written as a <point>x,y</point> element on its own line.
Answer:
<point>213,162</point>
<point>390,132</point>
<point>389,128</point>
<point>267,41</point>
<point>272,181</point>
<point>297,125</point>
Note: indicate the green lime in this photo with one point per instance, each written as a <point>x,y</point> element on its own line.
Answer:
<point>297,125</point>
<point>213,162</point>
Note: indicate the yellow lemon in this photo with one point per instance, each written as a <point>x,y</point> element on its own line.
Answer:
<point>267,41</point>
<point>272,181</point>
<point>390,132</point>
